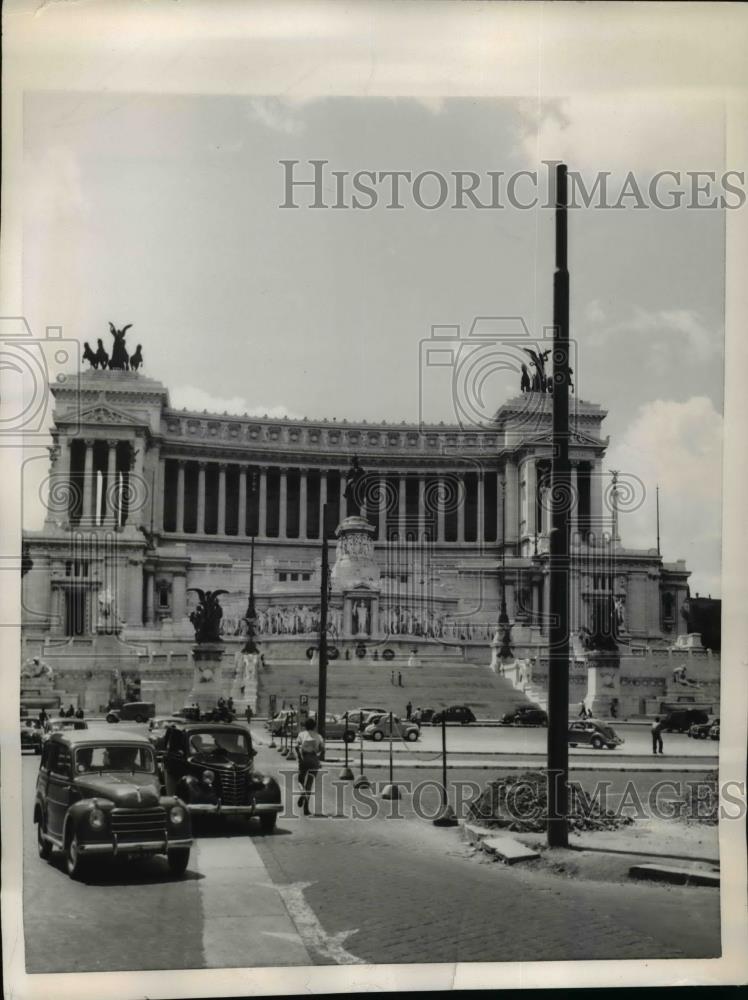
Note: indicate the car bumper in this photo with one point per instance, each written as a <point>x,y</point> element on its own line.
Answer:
<point>216,809</point>
<point>115,848</point>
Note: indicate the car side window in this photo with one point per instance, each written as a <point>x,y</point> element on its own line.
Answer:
<point>61,763</point>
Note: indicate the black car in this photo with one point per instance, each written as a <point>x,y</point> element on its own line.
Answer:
<point>99,796</point>
<point>680,720</point>
<point>209,765</point>
<point>31,735</point>
<point>702,730</point>
<point>455,713</point>
<point>526,715</point>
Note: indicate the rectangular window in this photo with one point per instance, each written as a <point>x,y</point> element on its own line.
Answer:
<point>282,577</point>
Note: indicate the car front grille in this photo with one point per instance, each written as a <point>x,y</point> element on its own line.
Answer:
<point>139,824</point>
<point>234,787</point>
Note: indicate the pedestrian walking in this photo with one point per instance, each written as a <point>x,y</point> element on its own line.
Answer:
<point>408,710</point>
<point>248,714</point>
<point>583,711</point>
<point>392,677</point>
<point>310,752</point>
<point>657,735</point>
<point>399,679</point>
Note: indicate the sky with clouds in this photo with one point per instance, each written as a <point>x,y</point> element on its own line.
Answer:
<point>162,210</point>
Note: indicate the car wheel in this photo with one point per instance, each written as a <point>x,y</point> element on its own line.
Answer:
<point>75,864</point>
<point>139,718</point>
<point>412,736</point>
<point>44,847</point>
<point>596,742</point>
<point>178,859</point>
<point>268,821</point>
<point>112,718</point>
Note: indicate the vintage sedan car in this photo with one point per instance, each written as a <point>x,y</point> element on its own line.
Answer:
<point>209,765</point>
<point>132,711</point>
<point>702,730</point>
<point>455,713</point>
<point>31,735</point>
<point>283,723</point>
<point>680,720</point>
<point>63,725</point>
<point>714,731</point>
<point>526,715</point>
<point>99,795</point>
<point>378,727</point>
<point>593,733</point>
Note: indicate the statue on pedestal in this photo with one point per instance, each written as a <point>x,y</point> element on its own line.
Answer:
<point>354,487</point>
<point>120,358</point>
<point>206,618</point>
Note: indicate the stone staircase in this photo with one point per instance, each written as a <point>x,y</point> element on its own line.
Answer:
<point>427,683</point>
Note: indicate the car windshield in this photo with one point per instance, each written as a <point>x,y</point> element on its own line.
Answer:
<point>217,744</point>
<point>113,757</point>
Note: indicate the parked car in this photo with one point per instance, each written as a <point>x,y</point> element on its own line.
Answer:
<point>714,731</point>
<point>680,720</point>
<point>157,731</point>
<point>593,733</point>
<point>63,725</point>
<point>423,715</point>
<point>336,728</point>
<point>455,713</point>
<point>31,735</point>
<point>209,766</point>
<point>132,711</point>
<point>284,721</point>
<point>99,795</point>
<point>702,730</point>
<point>377,727</point>
<point>360,716</point>
<point>526,715</point>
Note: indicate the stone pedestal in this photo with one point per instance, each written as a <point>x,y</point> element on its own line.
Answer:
<point>603,681</point>
<point>356,575</point>
<point>207,682</point>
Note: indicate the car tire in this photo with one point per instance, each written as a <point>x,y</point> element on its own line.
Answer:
<point>412,736</point>
<point>596,743</point>
<point>112,718</point>
<point>75,864</point>
<point>268,821</point>
<point>377,736</point>
<point>44,847</point>
<point>178,859</point>
<point>140,718</point>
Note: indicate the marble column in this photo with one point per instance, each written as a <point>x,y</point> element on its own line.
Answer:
<point>262,508</point>
<point>343,501</point>
<point>512,512</point>
<point>322,501</point>
<point>153,489</point>
<point>60,478</point>
<point>302,503</point>
<point>421,508</point>
<point>599,522</point>
<point>401,509</point>
<point>480,516</point>
<point>283,504</point>
<point>241,528</point>
<point>149,601</point>
<point>180,495</point>
<point>531,488</point>
<point>440,511</point>
<point>499,511</point>
<point>221,498</point>
<point>200,528</point>
<point>574,512</point>
<point>179,597</point>
<point>135,599</point>
<point>382,509</point>
<point>89,493</point>
<point>111,492</point>
<point>461,501</point>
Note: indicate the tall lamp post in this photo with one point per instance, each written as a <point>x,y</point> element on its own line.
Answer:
<point>323,603</point>
<point>250,616</point>
<point>558,673</point>
<point>505,653</point>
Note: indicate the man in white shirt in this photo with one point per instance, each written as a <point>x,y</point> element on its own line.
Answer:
<point>310,752</point>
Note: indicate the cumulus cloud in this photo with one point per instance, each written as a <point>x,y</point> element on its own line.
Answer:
<point>677,445</point>
<point>191,397</point>
<point>662,331</point>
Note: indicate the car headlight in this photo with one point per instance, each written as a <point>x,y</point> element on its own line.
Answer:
<point>96,818</point>
<point>208,777</point>
<point>176,815</point>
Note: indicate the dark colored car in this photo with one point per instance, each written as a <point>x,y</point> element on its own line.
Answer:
<point>526,715</point>
<point>702,730</point>
<point>100,796</point>
<point>680,720</point>
<point>455,713</point>
<point>209,765</point>
<point>592,733</point>
<point>423,715</point>
<point>132,711</point>
<point>63,726</point>
<point>31,735</point>
<point>714,731</point>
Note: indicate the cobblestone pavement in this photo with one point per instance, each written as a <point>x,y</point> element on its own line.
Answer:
<point>401,890</point>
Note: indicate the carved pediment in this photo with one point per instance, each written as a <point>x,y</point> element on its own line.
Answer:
<point>575,437</point>
<point>102,414</point>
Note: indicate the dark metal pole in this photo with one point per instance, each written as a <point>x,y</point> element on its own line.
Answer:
<point>322,675</point>
<point>444,759</point>
<point>391,778</point>
<point>345,739</point>
<point>558,674</point>
<point>657,499</point>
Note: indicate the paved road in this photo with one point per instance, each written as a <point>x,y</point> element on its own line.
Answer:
<point>342,890</point>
